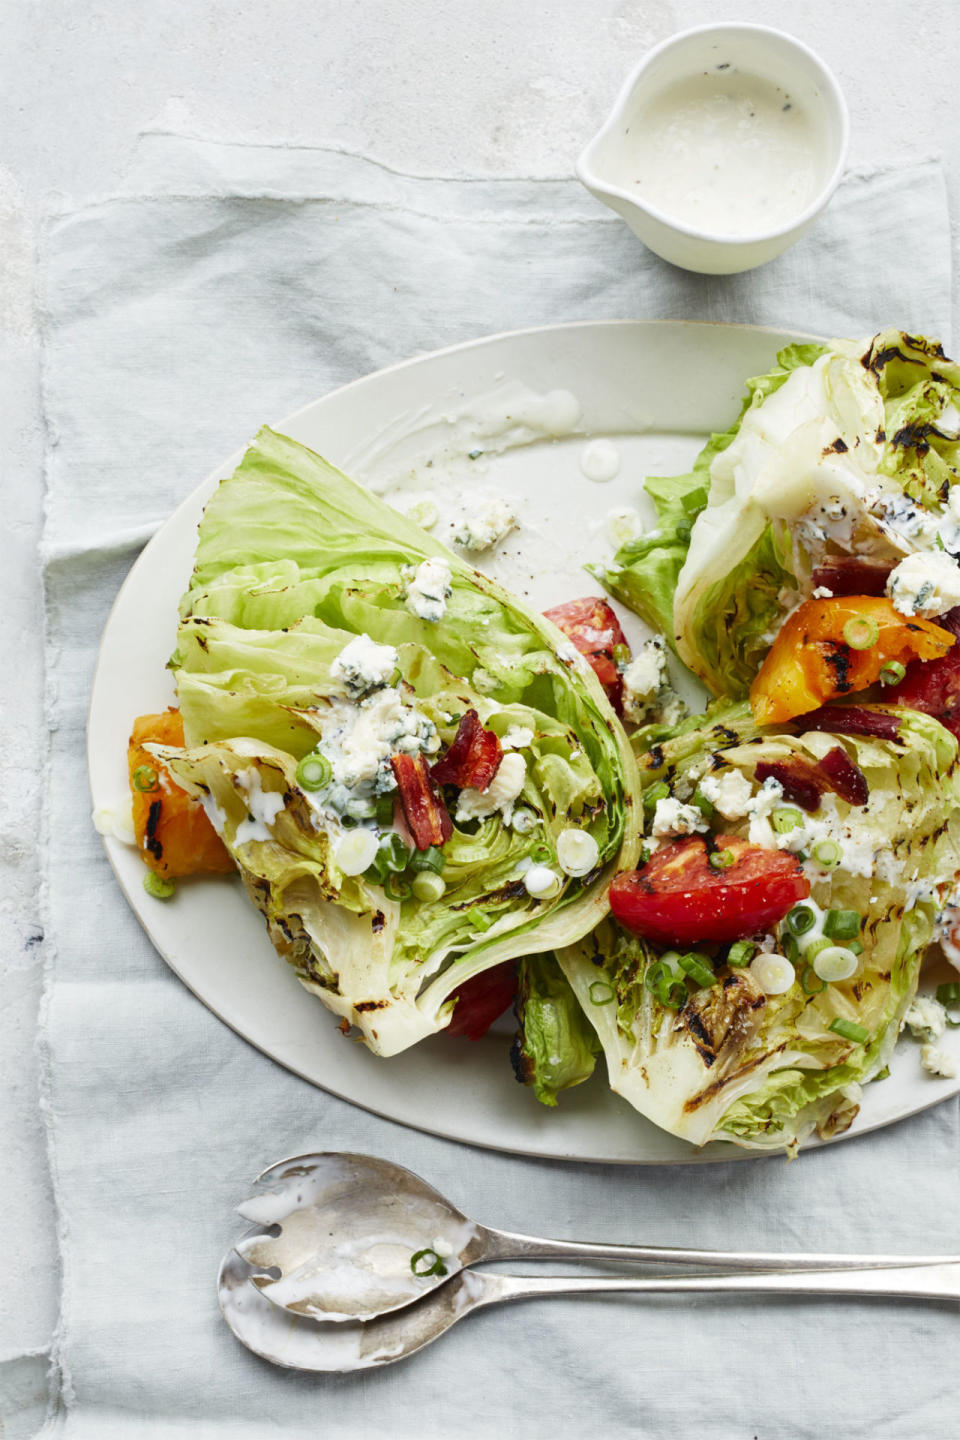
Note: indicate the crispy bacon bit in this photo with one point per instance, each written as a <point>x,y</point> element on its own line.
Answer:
<point>851,720</point>
<point>423,809</point>
<point>846,778</point>
<point>845,575</point>
<point>595,630</point>
<point>473,759</point>
<point>802,783</point>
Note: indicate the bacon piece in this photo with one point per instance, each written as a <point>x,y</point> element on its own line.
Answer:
<point>423,809</point>
<point>846,778</point>
<point>473,759</point>
<point>851,720</point>
<point>591,624</point>
<point>845,575</point>
<point>801,781</point>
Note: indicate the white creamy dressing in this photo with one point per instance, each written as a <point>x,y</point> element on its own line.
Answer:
<point>600,461</point>
<point>264,807</point>
<point>726,152</point>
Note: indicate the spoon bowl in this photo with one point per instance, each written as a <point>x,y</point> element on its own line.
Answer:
<point>349,1237</point>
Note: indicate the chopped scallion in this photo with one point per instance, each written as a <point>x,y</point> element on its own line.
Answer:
<point>427,885</point>
<point>850,1030</point>
<point>601,993</point>
<point>479,920</point>
<point>158,886</point>
<point>842,924</point>
<point>393,856</point>
<point>948,995</point>
<point>660,791</point>
<point>722,859</point>
<point>429,859</point>
<point>698,968</point>
<point>427,1262</point>
<point>396,888</point>
<point>827,853</point>
<point>801,919</point>
<point>861,632</point>
<point>741,952</point>
<point>785,818</point>
<point>145,779</point>
<point>892,673</point>
<point>314,771</point>
<point>811,983</point>
<point>704,805</point>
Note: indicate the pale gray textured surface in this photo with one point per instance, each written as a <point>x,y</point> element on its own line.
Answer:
<point>498,88</point>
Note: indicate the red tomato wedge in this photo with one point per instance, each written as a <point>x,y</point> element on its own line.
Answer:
<point>423,809</point>
<point>678,898</point>
<point>812,659</point>
<point>473,759</point>
<point>594,628</point>
<point>174,836</point>
<point>933,686</point>
<point>481,1000</point>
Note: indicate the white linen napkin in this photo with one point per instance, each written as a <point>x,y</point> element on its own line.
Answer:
<point>231,285</point>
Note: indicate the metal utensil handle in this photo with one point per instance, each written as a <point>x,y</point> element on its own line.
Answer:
<point>529,1247</point>
<point>920,1282</point>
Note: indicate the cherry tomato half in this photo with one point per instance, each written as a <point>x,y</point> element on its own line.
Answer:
<point>679,898</point>
<point>481,999</point>
<point>813,659</point>
<point>595,630</point>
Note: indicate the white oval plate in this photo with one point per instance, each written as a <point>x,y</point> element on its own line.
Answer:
<point>655,389</point>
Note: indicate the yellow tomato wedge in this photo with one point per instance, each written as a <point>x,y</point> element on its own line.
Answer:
<point>829,648</point>
<point>174,835</point>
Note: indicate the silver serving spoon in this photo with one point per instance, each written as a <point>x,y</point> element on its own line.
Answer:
<point>350,1237</point>
<point>299,1343</point>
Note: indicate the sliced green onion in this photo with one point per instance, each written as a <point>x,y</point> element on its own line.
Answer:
<point>392,855</point>
<point>427,1262</point>
<point>950,995</point>
<point>811,983</point>
<point>158,886</point>
<point>427,885</point>
<point>663,981</point>
<point>314,771</point>
<point>827,853</point>
<point>660,791</point>
<point>621,656</point>
<point>861,632</point>
<point>801,919</point>
<point>698,968</point>
<point>702,804</point>
<point>644,857</point>
<point>741,952</point>
<point>842,924</point>
<point>785,818</point>
<point>722,859</point>
<point>601,993</point>
<point>892,673</point>
<point>383,810</point>
<point>856,946</point>
<point>145,778</point>
<point>396,888</point>
<point>883,1074</point>
<point>813,947</point>
<point>791,948</point>
<point>479,920</point>
<point>835,963</point>
<point>850,1030</point>
<point>429,859</point>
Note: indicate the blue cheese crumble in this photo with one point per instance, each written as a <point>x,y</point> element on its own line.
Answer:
<point>428,590</point>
